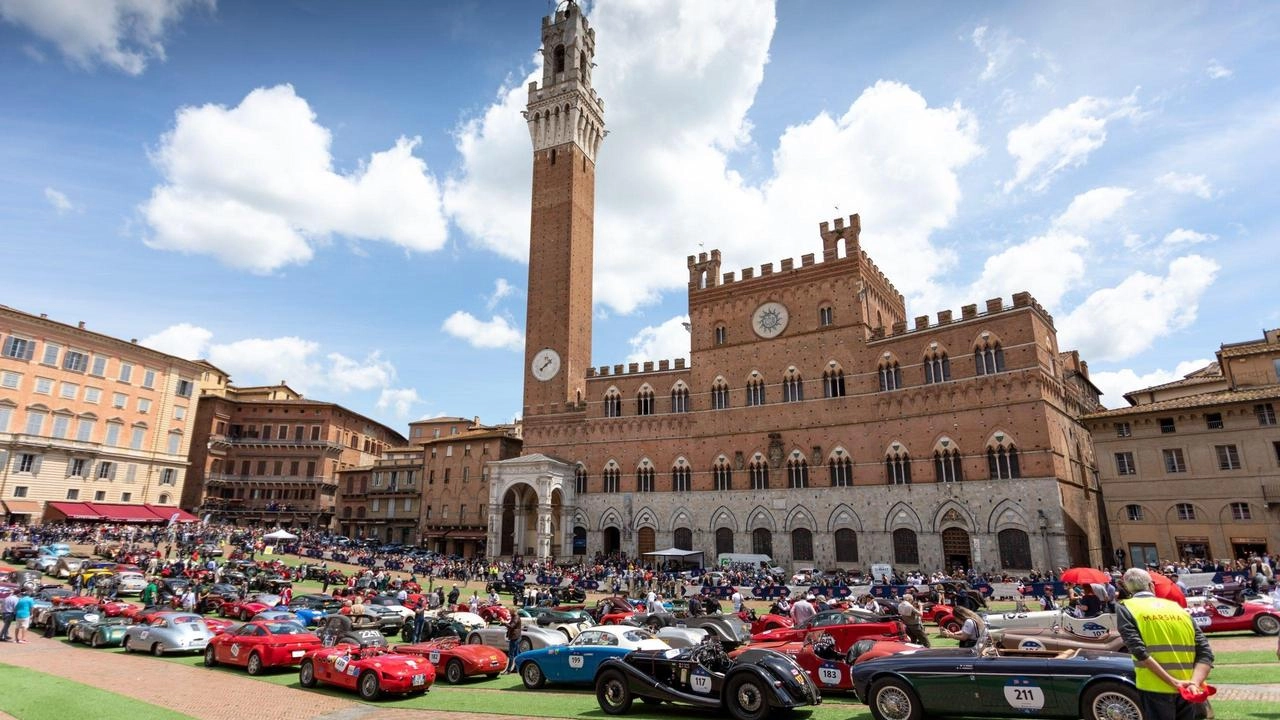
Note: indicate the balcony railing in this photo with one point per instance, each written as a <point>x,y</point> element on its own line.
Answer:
<point>279,509</point>
<point>254,441</point>
<point>223,479</point>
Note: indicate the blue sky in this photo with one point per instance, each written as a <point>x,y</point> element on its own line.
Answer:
<point>336,194</point>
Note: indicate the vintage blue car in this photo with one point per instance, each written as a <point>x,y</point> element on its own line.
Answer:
<point>576,662</point>
<point>990,682</point>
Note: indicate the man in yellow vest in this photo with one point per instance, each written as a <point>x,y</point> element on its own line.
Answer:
<point>1169,651</point>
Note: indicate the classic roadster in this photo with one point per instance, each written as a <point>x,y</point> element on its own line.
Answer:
<point>577,661</point>
<point>730,630</point>
<point>99,631</point>
<point>261,644</point>
<point>1095,626</point>
<point>1056,639</point>
<point>360,631</point>
<point>370,671</point>
<point>532,637</point>
<point>454,661</point>
<point>752,687</point>
<point>1218,615</point>
<point>955,682</point>
<point>846,626</point>
<point>828,664</point>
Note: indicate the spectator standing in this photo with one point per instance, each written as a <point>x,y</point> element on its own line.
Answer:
<point>22,616</point>
<point>736,599</point>
<point>419,620</point>
<point>802,610</point>
<point>514,630</point>
<point>1169,651</point>
<point>912,619</point>
<point>8,607</point>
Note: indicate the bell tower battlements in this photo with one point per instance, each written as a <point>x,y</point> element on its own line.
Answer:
<point>566,109</point>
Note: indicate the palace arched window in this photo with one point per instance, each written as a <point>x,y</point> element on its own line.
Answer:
<point>841,469</point>
<point>644,402</point>
<point>797,473</point>
<point>833,383</point>
<point>723,475</point>
<point>613,404</point>
<point>680,399</point>
<point>580,480</point>
<point>988,356</point>
<point>897,465</point>
<point>1002,458</point>
<point>719,395</point>
<point>890,375</point>
<point>792,387</point>
<point>937,367</point>
<point>759,472</point>
<point>612,477</point>
<point>946,465</point>
<point>755,392</point>
<point>681,478</point>
<point>644,479</point>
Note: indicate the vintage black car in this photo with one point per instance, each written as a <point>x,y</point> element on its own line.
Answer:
<point>317,601</point>
<point>755,685</point>
<point>212,597</point>
<point>432,628</point>
<point>362,632</point>
<point>20,553</point>
<point>955,682</point>
<point>730,630</point>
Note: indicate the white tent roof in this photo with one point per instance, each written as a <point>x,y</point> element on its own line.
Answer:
<point>280,534</point>
<point>674,552</point>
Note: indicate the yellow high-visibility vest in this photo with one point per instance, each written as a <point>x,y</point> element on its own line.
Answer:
<point>1170,637</point>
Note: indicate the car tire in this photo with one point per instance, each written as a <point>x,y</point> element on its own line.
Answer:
<point>94,642</point>
<point>368,685</point>
<point>244,615</point>
<point>746,697</point>
<point>157,649</point>
<point>210,656</point>
<point>531,675</point>
<point>894,699</point>
<point>453,672</point>
<point>254,664</point>
<point>613,693</point>
<point>1110,700</point>
<point>307,674</point>
<point>475,639</point>
<point>1264,624</point>
<point>525,645</point>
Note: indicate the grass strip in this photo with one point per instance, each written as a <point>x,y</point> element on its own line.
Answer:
<point>32,695</point>
<point>1244,657</point>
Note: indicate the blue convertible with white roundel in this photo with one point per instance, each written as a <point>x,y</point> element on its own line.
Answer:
<point>576,662</point>
<point>992,682</point>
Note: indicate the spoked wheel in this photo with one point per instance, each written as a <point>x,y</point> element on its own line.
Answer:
<point>1111,701</point>
<point>210,658</point>
<point>157,649</point>
<point>369,688</point>
<point>1266,625</point>
<point>531,675</point>
<point>613,693</point>
<point>453,672</point>
<point>745,697</point>
<point>893,699</point>
<point>307,674</point>
<point>525,645</point>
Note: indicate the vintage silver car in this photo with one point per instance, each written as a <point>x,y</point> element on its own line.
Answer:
<point>532,637</point>
<point>169,632</point>
<point>68,565</point>
<point>130,583</point>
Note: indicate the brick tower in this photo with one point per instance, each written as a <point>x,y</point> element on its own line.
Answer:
<point>566,124</point>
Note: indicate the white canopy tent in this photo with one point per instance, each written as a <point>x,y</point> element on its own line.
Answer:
<point>280,534</point>
<point>684,556</point>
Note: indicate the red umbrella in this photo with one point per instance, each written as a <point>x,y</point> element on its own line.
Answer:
<point>1165,588</point>
<point>1084,576</point>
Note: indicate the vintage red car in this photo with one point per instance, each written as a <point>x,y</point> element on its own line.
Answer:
<point>75,601</point>
<point>846,626</point>
<point>371,671</point>
<point>218,625</point>
<point>260,644</point>
<point>116,608</point>
<point>761,623</point>
<point>1219,616</point>
<point>944,616</point>
<point>248,607</point>
<point>455,661</point>
<point>830,665</point>
<point>142,615</point>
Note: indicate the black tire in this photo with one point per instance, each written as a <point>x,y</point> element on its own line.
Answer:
<point>94,642</point>
<point>244,615</point>
<point>210,659</point>
<point>157,649</point>
<point>1110,700</point>
<point>369,686</point>
<point>1264,624</point>
<point>474,639</point>
<point>453,672</point>
<point>525,645</point>
<point>613,693</point>
<point>746,698</point>
<point>531,675</point>
<point>254,665</point>
<point>307,674</point>
<point>125,644</point>
<point>893,699</point>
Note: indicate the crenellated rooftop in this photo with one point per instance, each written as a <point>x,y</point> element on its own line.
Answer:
<point>637,368</point>
<point>968,312</point>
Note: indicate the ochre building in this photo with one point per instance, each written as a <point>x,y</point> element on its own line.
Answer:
<point>815,422</point>
<point>1191,469</point>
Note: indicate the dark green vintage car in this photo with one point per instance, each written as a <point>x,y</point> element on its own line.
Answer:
<point>989,682</point>
<point>99,631</point>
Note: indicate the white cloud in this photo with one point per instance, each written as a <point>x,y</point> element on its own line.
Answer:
<point>998,46</point>
<point>679,78</point>
<point>294,360</point>
<point>1114,384</point>
<point>494,333</point>
<point>1063,138</point>
<point>1187,184</point>
<point>1217,71</point>
<point>501,289</point>
<point>1119,322</point>
<point>667,341</point>
<point>1047,266</point>
<point>399,401</point>
<point>1183,236</point>
<point>254,187</point>
<point>1089,209</point>
<point>59,201</point>
<point>123,34</point>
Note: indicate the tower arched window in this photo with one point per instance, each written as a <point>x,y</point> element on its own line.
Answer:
<point>890,376</point>
<point>720,396</point>
<point>897,465</point>
<point>759,471</point>
<point>680,399</point>
<point>797,473</point>
<point>580,480</point>
<point>826,316</point>
<point>644,402</point>
<point>720,335</point>
<point>755,392</point>
<point>841,469</point>
<point>946,465</point>
<point>612,477</point>
<point>681,478</point>
<point>988,357</point>
<point>644,479</point>
<point>582,67</point>
<point>1002,461</point>
<point>723,475</point>
<point>833,383</point>
<point>613,404</point>
<point>792,387</point>
<point>937,367</point>
<point>558,59</point>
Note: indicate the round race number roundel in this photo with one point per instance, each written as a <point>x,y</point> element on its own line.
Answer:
<point>770,319</point>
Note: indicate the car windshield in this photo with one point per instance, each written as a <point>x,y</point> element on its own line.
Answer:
<point>187,620</point>
<point>637,635</point>
<point>285,628</point>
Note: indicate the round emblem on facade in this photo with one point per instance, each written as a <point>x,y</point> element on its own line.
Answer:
<point>770,319</point>
<point>545,365</point>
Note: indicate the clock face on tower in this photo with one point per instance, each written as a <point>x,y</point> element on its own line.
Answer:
<point>770,319</point>
<point>545,364</point>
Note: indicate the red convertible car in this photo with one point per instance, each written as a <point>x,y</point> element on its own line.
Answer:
<point>1219,616</point>
<point>217,626</point>
<point>117,608</point>
<point>830,666</point>
<point>248,607</point>
<point>371,671</point>
<point>260,644</point>
<point>455,661</point>
<point>846,626</point>
<point>75,601</point>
